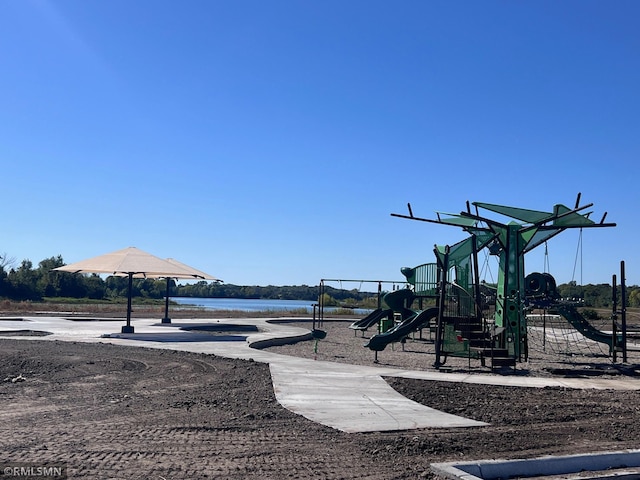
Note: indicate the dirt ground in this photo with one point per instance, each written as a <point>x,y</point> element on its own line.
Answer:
<point>110,412</point>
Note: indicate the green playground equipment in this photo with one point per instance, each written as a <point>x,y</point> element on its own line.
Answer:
<point>463,327</point>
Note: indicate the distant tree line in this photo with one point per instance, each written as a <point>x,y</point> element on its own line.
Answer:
<point>598,296</point>
<point>290,292</point>
<point>25,282</point>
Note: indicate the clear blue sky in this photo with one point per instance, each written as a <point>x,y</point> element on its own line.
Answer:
<point>267,142</point>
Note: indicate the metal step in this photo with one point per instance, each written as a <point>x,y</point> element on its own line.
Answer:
<point>480,343</point>
<point>489,352</point>
<point>474,334</point>
<point>502,361</point>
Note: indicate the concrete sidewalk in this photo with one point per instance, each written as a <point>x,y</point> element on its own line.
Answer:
<point>350,398</point>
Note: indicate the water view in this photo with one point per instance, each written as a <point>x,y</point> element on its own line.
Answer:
<point>253,305</point>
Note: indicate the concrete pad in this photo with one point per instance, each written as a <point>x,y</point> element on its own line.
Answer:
<point>352,402</point>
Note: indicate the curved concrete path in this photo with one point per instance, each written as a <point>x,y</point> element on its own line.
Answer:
<point>350,398</point>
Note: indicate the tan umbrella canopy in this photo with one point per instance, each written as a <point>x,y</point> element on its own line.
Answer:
<point>194,273</point>
<point>133,262</point>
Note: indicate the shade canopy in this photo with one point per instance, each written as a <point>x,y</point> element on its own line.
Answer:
<point>193,272</point>
<point>136,262</point>
<point>133,262</point>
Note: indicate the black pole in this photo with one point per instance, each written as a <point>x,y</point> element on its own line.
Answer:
<point>441,305</point>
<point>476,278</point>
<point>544,330</point>
<point>623,302</point>
<point>128,328</point>
<point>614,317</point>
<point>166,318</point>
<point>321,303</point>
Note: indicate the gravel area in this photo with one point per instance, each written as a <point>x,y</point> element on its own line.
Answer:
<point>566,352</point>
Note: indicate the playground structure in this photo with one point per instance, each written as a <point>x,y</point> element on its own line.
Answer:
<point>473,319</point>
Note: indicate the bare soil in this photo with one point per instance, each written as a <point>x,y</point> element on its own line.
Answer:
<point>134,413</point>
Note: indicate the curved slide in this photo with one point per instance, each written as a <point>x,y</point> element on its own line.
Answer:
<point>379,342</point>
<point>399,299</point>
<point>571,314</point>
<point>371,319</point>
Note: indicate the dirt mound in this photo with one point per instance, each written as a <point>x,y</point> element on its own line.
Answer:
<point>122,412</point>
<point>125,412</point>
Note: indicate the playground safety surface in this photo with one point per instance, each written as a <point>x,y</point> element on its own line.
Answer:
<point>112,411</point>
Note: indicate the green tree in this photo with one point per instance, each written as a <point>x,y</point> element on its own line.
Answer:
<point>5,286</point>
<point>116,287</point>
<point>24,282</point>
<point>48,281</point>
<point>634,297</point>
<point>94,287</point>
<point>328,300</point>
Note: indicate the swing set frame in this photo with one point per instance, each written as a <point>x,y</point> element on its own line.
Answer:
<point>321,292</point>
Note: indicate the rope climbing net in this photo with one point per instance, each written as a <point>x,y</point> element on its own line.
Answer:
<point>554,335</point>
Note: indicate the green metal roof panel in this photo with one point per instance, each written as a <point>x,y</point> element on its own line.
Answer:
<point>530,216</point>
<point>571,220</point>
<point>526,236</point>
<point>539,237</point>
<point>460,251</point>
<point>457,220</point>
<point>457,252</point>
<point>484,239</point>
<point>439,251</point>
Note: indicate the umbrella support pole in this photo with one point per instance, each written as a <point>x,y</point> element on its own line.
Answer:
<point>128,328</point>
<point>166,318</point>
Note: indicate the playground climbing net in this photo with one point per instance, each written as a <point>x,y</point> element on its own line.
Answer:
<point>553,335</point>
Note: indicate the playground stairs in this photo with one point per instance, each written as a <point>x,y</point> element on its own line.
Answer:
<point>497,357</point>
<point>482,343</point>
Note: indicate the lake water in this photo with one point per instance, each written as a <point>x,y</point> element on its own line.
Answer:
<point>253,305</point>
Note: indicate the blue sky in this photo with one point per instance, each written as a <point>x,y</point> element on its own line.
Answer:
<point>267,143</point>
